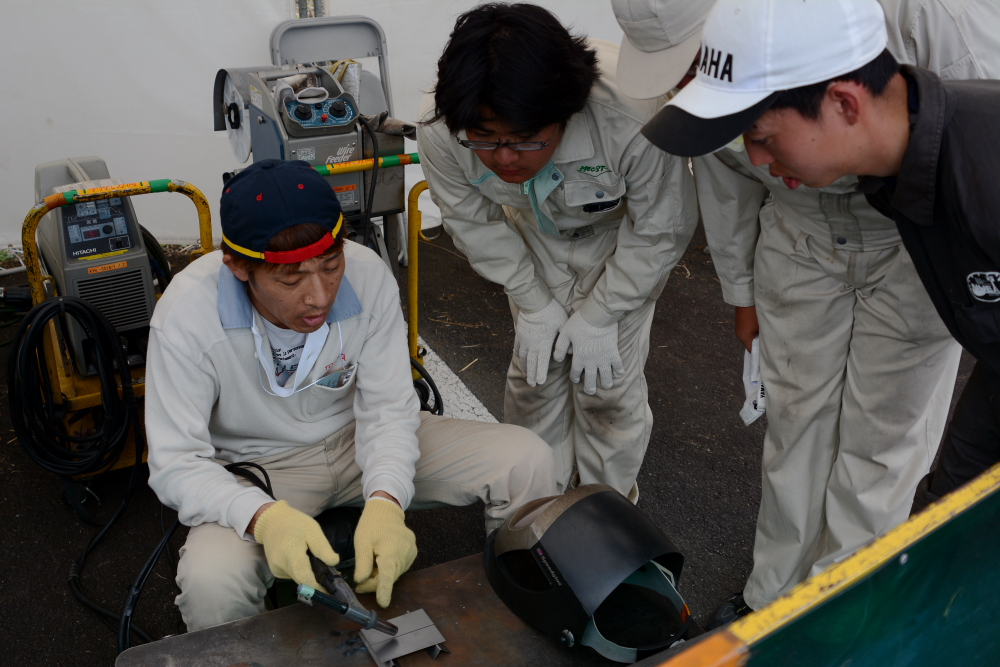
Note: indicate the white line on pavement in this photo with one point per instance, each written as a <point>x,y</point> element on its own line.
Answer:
<point>459,401</point>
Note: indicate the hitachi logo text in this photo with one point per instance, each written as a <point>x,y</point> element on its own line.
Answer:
<point>85,251</point>
<point>710,60</point>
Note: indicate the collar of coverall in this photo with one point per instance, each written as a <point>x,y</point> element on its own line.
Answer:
<point>576,143</point>
<point>915,188</point>
<point>235,310</point>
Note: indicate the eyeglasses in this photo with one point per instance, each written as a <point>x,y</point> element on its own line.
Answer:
<point>513,145</point>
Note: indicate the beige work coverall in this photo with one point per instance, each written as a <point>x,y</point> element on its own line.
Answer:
<point>609,264</point>
<point>858,367</point>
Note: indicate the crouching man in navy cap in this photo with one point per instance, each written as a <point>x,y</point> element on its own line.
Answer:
<point>287,349</point>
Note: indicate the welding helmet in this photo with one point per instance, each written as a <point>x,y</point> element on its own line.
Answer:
<point>589,568</point>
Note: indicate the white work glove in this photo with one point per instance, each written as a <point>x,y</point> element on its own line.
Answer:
<point>753,408</point>
<point>595,349</point>
<point>534,334</point>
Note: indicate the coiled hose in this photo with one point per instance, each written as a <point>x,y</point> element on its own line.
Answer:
<point>38,419</point>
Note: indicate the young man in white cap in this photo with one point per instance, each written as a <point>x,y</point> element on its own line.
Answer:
<point>858,366</point>
<point>287,349</point>
<point>546,184</point>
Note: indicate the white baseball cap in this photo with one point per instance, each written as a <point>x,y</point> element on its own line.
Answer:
<point>662,38</point>
<point>753,49</point>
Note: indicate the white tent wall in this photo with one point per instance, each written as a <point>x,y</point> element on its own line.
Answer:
<point>131,81</point>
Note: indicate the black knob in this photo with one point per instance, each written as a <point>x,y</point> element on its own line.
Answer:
<point>303,112</point>
<point>107,229</point>
<point>234,115</point>
<point>338,108</point>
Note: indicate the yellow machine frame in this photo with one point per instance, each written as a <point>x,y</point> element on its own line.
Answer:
<point>414,221</point>
<point>76,391</point>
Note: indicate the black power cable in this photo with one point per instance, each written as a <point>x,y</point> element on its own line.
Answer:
<point>125,621</point>
<point>370,202</point>
<point>37,418</point>
<point>132,600</point>
<point>34,413</point>
<point>438,407</point>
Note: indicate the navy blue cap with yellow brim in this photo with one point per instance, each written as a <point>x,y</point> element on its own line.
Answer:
<point>271,196</point>
<point>291,256</point>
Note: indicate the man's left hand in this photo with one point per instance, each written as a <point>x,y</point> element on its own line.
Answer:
<point>383,546</point>
<point>595,350</point>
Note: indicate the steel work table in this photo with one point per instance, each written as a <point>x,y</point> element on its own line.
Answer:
<point>478,629</point>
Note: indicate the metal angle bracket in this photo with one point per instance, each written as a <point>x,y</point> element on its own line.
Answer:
<point>417,632</point>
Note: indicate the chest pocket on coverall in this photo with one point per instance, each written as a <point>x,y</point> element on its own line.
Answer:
<point>594,201</point>
<point>320,399</point>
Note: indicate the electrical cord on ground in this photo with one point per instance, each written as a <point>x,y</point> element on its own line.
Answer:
<point>438,408</point>
<point>132,599</point>
<point>370,202</point>
<point>125,622</point>
<point>37,418</point>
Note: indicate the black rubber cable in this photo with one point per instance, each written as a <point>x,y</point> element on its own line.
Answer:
<point>371,186</point>
<point>125,624</point>
<point>132,599</point>
<point>37,419</point>
<point>438,408</point>
<point>34,413</point>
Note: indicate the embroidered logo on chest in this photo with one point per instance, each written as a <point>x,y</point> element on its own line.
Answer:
<point>985,285</point>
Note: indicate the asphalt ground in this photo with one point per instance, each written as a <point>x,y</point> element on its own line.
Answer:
<point>700,481</point>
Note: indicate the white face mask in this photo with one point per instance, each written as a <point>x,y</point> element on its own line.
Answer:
<point>310,353</point>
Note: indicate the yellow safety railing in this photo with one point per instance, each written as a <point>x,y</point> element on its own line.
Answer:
<point>414,220</point>
<point>80,392</point>
<point>31,260</point>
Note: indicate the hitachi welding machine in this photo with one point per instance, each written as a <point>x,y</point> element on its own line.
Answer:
<point>95,250</point>
<point>310,104</point>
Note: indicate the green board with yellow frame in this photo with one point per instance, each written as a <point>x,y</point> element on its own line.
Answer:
<point>926,593</point>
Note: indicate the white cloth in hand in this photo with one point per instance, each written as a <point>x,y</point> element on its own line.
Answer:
<point>533,338</point>
<point>753,408</point>
<point>594,350</point>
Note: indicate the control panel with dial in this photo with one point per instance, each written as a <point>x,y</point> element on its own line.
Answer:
<point>97,227</point>
<point>334,112</point>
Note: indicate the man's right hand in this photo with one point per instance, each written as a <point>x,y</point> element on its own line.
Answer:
<point>287,534</point>
<point>534,335</point>
<point>746,325</point>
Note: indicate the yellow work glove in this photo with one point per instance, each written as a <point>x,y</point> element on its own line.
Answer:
<point>383,542</point>
<point>286,534</point>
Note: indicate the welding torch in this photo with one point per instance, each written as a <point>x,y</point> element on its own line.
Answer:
<point>342,599</point>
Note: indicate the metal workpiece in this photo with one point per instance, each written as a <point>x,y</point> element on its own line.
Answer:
<point>478,628</point>
<point>417,632</point>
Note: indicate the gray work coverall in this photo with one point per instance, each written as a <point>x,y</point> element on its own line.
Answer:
<point>610,265</point>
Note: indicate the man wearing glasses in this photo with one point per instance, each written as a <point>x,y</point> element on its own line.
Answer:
<point>287,349</point>
<point>545,183</point>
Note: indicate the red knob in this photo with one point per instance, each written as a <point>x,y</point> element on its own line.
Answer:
<point>324,117</point>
